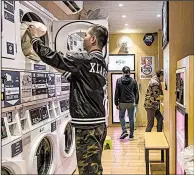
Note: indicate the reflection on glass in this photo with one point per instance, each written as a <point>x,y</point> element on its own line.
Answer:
<point>44,156</point>
<point>5,171</point>
<point>68,133</point>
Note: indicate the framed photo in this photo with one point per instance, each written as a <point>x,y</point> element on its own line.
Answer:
<point>118,61</point>
<point>165,24</point>
<point>115,112</point>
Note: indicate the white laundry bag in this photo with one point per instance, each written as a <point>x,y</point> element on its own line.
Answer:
<point>187,159</point>
<point>25,39</point>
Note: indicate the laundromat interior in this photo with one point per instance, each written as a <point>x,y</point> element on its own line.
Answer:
<point>36,132</point>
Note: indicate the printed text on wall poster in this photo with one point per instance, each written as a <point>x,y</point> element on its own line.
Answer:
<point>147,67</point>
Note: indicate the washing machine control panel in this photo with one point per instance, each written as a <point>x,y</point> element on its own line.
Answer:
<point>38,114</point>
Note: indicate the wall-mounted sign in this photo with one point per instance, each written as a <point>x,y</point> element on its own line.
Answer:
<point>118,61</point>
<point>147,67</point>
<point>10,88</point>
<point>148,39</point>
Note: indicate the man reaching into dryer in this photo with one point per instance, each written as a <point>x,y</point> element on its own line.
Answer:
<point>88,76</point>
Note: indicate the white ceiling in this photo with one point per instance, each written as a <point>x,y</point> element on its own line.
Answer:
<point>141,16</point>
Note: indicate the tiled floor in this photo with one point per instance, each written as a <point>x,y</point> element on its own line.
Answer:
<point>126,157</point>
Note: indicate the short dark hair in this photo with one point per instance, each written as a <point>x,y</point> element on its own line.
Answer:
<point>126,70</point>
<point>101,34</point>
<point>160,72</point>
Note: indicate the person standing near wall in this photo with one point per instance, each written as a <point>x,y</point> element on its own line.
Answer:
<point>126,98</point>
<point>87,79</point>
<point>153,95</point>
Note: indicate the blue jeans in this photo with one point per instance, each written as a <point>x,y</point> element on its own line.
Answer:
<point>131,110</point>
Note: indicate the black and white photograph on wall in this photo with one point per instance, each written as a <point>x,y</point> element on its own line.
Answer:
<point>165,24</point>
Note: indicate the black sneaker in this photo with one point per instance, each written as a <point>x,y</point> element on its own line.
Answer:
<point>124,135</point>
<point>131,137</point>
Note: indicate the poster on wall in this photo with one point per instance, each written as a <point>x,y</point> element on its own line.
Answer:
<point>118,61</point>
<point>115,111</point>
<point>147,67</point>
<point>181,136</point>
<point>10,95</point>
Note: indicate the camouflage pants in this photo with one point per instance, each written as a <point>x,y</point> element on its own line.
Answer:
<point>89,146</point>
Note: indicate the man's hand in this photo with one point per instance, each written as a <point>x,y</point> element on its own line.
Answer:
<point>32,31</point>
<point>118,107</point>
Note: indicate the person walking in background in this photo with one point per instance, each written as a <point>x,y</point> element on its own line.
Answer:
<point>87,79</point>
<point>153,95</point>
<point>126,98</point>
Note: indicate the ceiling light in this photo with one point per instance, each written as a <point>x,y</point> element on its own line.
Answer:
<point>120,5</point>
<point>123,16</point>
<point>158,15</point>
<point>126,24</point>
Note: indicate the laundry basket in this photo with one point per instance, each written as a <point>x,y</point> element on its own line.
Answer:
<point>187,159</point>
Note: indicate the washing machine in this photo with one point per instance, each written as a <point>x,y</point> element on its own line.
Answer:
<point>12,161</point>
<point>66,163</point>
<point>39,140</point>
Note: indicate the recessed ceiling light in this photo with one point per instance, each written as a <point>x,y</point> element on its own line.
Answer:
<point>126,24</point>
<point>120,5</point>
<point>158,15</point>
<point>123,16</point>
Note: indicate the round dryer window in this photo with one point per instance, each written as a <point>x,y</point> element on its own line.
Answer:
<point>6,171</point>
<point>26,46</point>
<point>69,36</point>
<point>68,133</point>
<point>44,156</point>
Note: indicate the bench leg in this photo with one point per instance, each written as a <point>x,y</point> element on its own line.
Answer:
<point>162,156</point>
<point>147,161</point>
<point>167,162</point>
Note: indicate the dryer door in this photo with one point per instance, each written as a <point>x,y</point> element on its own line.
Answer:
<point>10,167</point>
<point>8,30</point>
<point>67,138</point>
<point>42,155</point>
<point>69,35</point>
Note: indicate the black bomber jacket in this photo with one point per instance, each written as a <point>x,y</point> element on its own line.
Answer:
<point>88,77</point>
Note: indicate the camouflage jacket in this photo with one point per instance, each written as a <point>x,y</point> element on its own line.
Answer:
<point>154,90</point>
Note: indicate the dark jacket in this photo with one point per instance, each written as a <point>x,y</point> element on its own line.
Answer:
<point>126,90</point>
<point>88,76</point>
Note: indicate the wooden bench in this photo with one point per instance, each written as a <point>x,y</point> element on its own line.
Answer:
<point>156,141</point>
